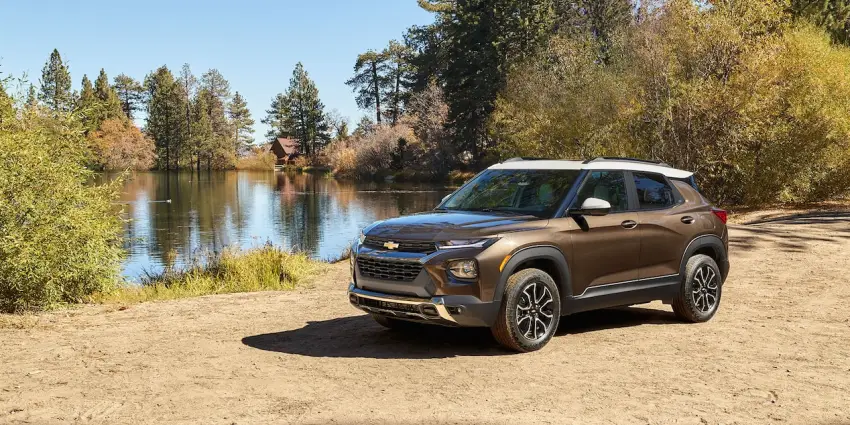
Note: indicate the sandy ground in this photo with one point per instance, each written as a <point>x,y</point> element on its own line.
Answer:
<point>777,352</point>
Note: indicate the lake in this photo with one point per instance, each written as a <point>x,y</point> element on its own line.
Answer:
<point>213,210</point>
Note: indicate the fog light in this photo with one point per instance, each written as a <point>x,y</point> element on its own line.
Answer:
<point>463,269</point>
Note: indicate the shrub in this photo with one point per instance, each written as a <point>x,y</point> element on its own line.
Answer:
<point>60,236</point>
<point>258,159</point>
<point>120,145</point>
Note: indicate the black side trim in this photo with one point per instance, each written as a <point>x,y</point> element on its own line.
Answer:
<point>626,293</point>
<point>545,252</point>
<point>716,244</point>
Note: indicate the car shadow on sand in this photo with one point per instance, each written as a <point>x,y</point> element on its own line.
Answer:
<point>360,337</point>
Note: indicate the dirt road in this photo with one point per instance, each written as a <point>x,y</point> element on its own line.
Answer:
<point>777,352</point>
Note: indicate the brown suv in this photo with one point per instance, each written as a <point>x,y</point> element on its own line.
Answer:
<point>528,241</point>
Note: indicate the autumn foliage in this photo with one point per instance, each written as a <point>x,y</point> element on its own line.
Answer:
<point>120,145</point>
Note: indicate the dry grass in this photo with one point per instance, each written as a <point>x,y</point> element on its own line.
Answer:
<point>260,269</point>
<point>257,161</point>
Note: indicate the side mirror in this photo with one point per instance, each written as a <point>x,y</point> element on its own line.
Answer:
<point>592,206</point>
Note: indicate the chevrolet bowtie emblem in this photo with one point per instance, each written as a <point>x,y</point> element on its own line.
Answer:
<point>390,245</point>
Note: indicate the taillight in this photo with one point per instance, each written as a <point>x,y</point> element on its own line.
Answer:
<point>721,214</point>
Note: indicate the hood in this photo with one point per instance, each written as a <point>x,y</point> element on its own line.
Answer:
<point>441,226</point>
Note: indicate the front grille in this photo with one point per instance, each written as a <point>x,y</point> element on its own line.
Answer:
<point>376,268</point>
<point>403,246</point>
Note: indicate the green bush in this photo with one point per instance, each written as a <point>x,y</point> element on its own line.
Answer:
<point>60,235</point>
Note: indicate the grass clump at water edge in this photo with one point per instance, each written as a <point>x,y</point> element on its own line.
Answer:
<point>260,269</point>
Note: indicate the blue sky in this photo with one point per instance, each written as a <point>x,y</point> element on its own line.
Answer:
<point>255,44</point>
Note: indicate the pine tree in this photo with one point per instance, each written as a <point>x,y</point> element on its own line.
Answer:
<point>307,113</point>
<point>202,130</point>
<point>188,85</point>
<point>87,97</point>
<point>165,111</point>
<point>87,105</point>
<point>32,97</point>
<point>397,79</point>
<point>240,119</point>
<point>110,105</point>
<point>130,93</point>
<point>216,89</point>
<point>56,85</point>
<point>277,118</point>
<point>485,39</point>
<point>369,82</point>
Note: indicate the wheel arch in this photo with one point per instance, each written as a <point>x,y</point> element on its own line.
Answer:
<point>548,258</point>
<point>710,245</point>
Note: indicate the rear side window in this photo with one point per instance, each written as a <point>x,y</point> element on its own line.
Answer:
<point>653,191</point>
<point>608,186</point>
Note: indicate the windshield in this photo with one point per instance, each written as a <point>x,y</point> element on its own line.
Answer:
<point>527,192</point>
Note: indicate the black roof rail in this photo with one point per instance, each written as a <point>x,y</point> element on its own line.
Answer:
<point>525,158</point>
<point>623,158</point>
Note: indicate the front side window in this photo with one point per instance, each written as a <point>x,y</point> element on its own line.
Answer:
<point>605,185</point>
<point>532,192</point>
<point>653,191</point>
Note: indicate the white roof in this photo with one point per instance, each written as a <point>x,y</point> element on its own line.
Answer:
<point>607,164</point>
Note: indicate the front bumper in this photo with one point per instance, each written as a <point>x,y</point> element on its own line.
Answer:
<point>448,310</point>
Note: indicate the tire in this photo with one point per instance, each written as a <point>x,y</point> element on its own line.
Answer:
<point>390,323</point>
<point>517,316</point>
<point>701,285</point>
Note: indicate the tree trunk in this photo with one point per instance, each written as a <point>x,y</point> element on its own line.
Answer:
<point>377,91</point>
<point>396,99</point>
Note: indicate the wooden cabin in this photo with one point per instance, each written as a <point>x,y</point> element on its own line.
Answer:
<point>285,149</point>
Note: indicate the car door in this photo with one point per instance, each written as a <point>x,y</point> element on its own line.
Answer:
<point>604,249</point>
<point>664,222</point>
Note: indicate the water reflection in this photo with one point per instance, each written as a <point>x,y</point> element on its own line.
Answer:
<point>308,212</point>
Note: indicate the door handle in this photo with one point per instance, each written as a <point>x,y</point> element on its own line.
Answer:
<point>629,224</point>
<point>687,219</point>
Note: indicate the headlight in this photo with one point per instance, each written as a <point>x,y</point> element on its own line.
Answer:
<point>466,243</point>
<point>464,269</point>
<point>362,237</point>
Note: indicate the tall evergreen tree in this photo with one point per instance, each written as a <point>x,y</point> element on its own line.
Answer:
<point>277,118</point>
<point>368,81</point>
<point>306,113</point>
<point>188,85</point>
<point>397,78</point>
<point>216,90</point>
<point>165,114</point>
<point>202,130</point>
<point>240,118</point>
<point>130,93</point>
<point>110,105</point>
<point>87,105</point>
<point>484,39</point>
<point>426,60</point>
<point>56,84</point>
